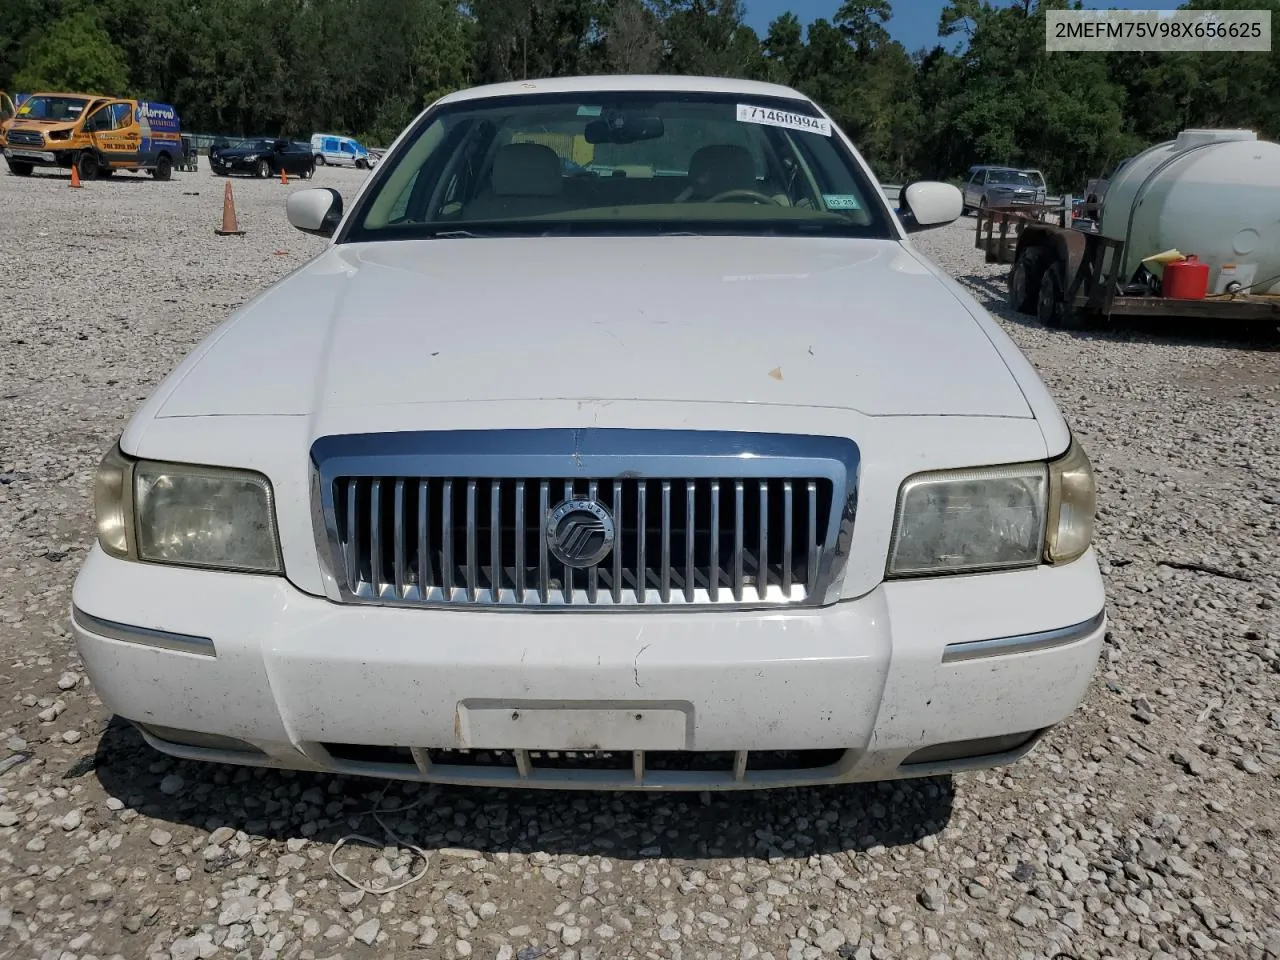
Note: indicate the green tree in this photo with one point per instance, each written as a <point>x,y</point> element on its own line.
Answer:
<point>74,54</point>
<point>708,37</point>
<point>863,24</point>
<point>784,49</point>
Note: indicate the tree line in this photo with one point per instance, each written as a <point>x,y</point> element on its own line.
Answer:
<point>986,92</point>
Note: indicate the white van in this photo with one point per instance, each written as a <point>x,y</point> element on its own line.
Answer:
<point>340,151</point>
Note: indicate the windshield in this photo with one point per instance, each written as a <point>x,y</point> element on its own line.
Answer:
<point>620,163</point>
<point>52,108</point>
<point>1016,177</point>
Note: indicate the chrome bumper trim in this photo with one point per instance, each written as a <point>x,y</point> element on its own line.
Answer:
<point>1024,643</point>
<point>146,636</point>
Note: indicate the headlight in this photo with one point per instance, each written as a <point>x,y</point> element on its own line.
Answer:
<point>963,520</point>
<point>186,515</point>
<point>994,518</point>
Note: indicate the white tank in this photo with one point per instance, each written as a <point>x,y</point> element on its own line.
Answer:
<point>1211,193</point>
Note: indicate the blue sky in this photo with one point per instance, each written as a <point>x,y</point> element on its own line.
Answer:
<point>914,23</point>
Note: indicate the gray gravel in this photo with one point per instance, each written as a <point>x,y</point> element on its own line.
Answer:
<point>1146,826</point>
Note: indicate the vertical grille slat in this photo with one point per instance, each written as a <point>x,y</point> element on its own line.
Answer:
<point>351,548</point>
<point>713,580</point>
<point>446,538</point>
<point>593,490</point>
<point>544,561</point>
<point>519,535</point>
<point>568,570</point>
<point>482,541</point>
<point>665,592</point>
<point>738,502</point>
<point>788,528</point>
<point>399,546</point>
<point>495,536</point>
<point>473,559</point>
<point>375,537</point>
<point>690,540</point>
<point>424,537</point>
<point>642,528</point>
<point>619,511</point>
<point>811,568</point>
<point>762,548</point>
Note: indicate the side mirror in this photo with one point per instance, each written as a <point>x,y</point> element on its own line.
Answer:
<point>929,203</point>
<point>316,210</point>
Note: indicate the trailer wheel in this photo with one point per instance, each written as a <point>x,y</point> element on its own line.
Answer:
<point>1049,300</point>
<point>164,167</point>
<point>1024,279</point>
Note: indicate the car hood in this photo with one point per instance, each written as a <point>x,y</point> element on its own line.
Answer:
<point>845,324</point>
<point>42,126</point>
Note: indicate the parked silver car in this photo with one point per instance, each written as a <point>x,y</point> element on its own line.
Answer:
<point>992,186</point>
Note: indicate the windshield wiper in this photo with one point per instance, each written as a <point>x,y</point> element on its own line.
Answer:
<point>454,234</point>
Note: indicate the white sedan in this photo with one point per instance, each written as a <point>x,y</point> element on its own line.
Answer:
<point>620,438</point>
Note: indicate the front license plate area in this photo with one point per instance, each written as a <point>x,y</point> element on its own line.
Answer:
<point>539,725</point>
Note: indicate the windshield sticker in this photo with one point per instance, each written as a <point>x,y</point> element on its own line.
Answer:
<point>841,201</point>
<point>781,118</point>
<point>589,110</point>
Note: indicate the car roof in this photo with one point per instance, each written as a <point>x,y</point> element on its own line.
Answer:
<point>632,82</point>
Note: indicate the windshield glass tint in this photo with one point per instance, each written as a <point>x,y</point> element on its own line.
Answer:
<point>1016,177</point>
<point>52,108</point>
<point>620,163</point>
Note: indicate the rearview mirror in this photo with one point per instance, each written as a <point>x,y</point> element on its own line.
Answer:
<point>929,203</point>
<point>623,128</point>
<point>316,210</point>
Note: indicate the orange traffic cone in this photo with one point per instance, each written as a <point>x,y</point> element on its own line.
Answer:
<point>284,177</point>
<point>75,176</point>
<point>230,226</point>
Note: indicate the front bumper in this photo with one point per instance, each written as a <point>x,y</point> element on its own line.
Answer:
<point>641,700</point>
<point>1016,200</point>
<point>36,155</point>
<point>232,166</point>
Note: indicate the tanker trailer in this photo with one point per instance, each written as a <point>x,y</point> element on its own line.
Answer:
<point>1212,195</point>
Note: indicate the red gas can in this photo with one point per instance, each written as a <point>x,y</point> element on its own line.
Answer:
<point>1186,279</point>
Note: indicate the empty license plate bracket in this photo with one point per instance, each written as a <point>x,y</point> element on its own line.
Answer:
<point>582,725</point>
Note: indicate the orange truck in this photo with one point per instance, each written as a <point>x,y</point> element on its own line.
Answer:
<point>94,134</point>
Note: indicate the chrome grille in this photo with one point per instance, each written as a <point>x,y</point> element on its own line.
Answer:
<point>703,536</point>
<point>26,138</point>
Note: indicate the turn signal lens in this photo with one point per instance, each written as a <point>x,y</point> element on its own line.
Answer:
<point>110,489</point>
<point>1073,502</point>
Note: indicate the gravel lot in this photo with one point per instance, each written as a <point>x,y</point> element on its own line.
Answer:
<point>1145,826</point>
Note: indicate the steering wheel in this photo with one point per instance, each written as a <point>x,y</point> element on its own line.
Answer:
<point>750,194</point>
